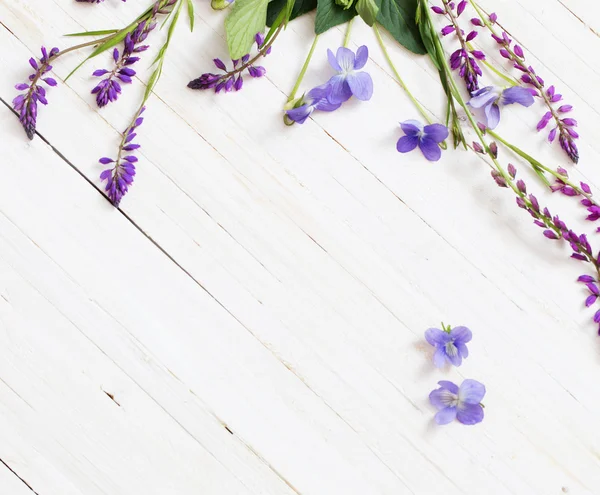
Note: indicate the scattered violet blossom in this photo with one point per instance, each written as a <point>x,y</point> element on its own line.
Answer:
<point>427,138</point>
<point>450,344</point>
<point>487,102</point>
<point>462,403</point>
<point>120,176</point>
<point>227,81</point>
<point>350,80</point>
<point>109,89</point>
<point>316,99</point>
<point>26,104</point>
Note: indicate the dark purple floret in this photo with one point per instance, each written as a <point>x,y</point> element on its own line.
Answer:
<point>26,104</point>
<point>231,80</point>
<point>120,176</point>
<point>109,88</point>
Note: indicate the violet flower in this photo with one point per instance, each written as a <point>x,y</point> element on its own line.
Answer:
<point>349,81</point>
<point>316,99</point>
<point>231,80</point>
<point>427,138</point>
<point>450,344</point>
<point>489,100</point>
<point>109,88</point>
<point>462,403</point>
<point>120,176</point>
<point>26,104</point>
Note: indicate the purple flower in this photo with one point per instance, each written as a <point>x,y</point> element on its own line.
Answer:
<point>488,101</point>
<point>232,80</point>
<point>120,176</point>
<point>463,404</point>
<point>349,81</point>
<point>450,344</point>
<point>426,138</point>
<point>316,99</point>
<point>26,104</point>
<point>109,88</point>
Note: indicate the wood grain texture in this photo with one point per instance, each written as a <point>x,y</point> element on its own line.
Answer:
<point>251,319</point>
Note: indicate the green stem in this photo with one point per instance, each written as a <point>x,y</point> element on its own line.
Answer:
<point>348,31</point>
<point>304,68</point>
<point>419,107</point>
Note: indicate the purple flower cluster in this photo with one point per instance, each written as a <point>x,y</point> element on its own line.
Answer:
<point>109,88</point>
<point>563,126</point>
<point>120,176</point>
<point>26,104</point>
<point>465,58</point>
<point>594,293</point>
<point>231,80</point>
<point>349,81</point>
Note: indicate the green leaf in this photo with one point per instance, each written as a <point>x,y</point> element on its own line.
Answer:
<point>94,33</point>
<point>367,10</point>
<point>329,14</point>
<point>399,18</point>
<point>247,17</point>
<point>190,5</point>
<point>301,7</point>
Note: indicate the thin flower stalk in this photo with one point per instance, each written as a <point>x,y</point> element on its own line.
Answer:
<point>563,126</point>
<point>300,78</point>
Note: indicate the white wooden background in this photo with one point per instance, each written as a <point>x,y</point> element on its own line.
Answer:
<point>256,307</point>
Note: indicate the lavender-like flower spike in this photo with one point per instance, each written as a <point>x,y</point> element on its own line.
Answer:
<point>232,80</point>
<point>120,176</point>
<point>109,88</point>
<point>26,104</point>
<point>464,59</point>
<point>563,127</point>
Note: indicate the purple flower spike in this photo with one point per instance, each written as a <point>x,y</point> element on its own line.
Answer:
<point>109,89</point>
<point>316,99</point>
<point>462,403</point>
<point>26,104</point>
<point>120,177</point>
<point>231,80</point>
<point>450,344</point>
<point>349,81</point>
<point>427,138</point>
<point>487,101</point>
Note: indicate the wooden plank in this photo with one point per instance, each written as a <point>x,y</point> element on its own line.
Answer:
<point>271,232</point>
<point>11,483</point>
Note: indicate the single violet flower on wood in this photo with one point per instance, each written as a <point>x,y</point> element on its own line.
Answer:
<point>450,344</point>
<point>488,101</point>
<point>462,403</point>
<point>316,99</point>
<point>427,138</point>
<point>26,104</point>
<point>350,80</point>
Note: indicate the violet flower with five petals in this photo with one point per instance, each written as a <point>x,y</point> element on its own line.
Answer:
<point>487,102</point>
<point>316,99</point>
<point>462,403</point>
<point>427,138</point>
<point>349,81</point>
<point>450,344</point>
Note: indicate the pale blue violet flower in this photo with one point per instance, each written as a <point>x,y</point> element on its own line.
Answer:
<point>487,102</point>
<point>450,344</point>
<point>462,403</point>
<point>350,81</point>
<point>427,138</point>
<point>315,99</point>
